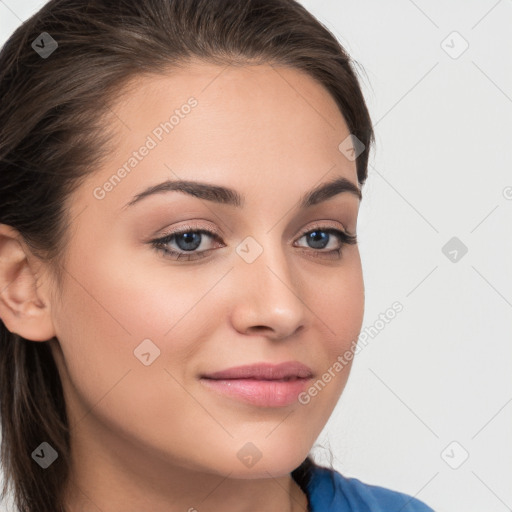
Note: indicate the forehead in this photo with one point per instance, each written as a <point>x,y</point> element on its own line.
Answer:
<point>248,126</point>
<point>258,97</point>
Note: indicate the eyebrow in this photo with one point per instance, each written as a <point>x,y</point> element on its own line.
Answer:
<point>229,196</point>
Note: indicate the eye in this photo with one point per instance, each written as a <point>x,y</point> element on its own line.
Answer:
<point>188,240</point>
<point>320,237</point>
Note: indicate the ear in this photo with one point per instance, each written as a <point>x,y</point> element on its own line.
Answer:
<point>24,303</point>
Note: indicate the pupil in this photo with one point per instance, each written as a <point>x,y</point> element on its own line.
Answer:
<point>315,235</point>
<point>191,241</point>
<point>190,238</point>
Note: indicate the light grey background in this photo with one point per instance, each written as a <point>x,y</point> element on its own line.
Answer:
<point>434,385</point>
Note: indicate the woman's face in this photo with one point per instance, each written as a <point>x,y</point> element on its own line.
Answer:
<point>138,328</point>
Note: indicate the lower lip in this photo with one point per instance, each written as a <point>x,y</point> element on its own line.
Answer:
<point>263,393</point>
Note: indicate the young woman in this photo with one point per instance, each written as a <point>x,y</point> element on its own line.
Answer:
<point>179,190</point>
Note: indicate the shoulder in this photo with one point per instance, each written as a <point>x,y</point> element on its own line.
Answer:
<point>330,491</point>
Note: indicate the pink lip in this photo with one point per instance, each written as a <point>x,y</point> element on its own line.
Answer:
<point>263,384</point>
<point>263,371</point>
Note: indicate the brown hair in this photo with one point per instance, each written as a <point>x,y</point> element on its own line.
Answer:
<point>53,110</point>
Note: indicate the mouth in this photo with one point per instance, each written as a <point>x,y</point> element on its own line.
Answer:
<point>264,371</point>
<point>263,385</point>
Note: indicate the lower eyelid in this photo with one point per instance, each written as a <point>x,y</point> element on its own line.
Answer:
<point>161,244</point>
<point>215,236</point>
<point>166,239</point>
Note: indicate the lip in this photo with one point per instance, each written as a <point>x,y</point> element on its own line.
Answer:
<point>263,371</point>
<point>263,384</point>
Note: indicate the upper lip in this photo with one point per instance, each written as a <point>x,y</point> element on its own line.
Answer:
<point>263,371</point>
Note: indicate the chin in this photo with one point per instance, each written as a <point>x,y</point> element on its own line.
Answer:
<point>272,462</point>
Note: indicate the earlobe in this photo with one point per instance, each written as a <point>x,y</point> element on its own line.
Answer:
<point>24,309</point>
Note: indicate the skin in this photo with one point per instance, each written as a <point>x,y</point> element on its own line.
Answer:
<point>154,437</point>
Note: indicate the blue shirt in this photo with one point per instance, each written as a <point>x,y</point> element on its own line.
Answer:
<point>351,495</point>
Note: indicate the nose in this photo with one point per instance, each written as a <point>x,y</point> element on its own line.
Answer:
<point>267,300</point>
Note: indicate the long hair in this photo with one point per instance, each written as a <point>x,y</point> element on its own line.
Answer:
<point>53,103</point>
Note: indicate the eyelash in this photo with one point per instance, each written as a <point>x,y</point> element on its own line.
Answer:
<point>160,244</point>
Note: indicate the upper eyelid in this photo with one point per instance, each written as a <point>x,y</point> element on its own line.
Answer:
<point>215,235</point>
<point>343,235</point>
<point>213,232</point>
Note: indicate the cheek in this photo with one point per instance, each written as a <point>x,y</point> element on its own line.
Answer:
<point>340,306</point>
<point>107,311</point>
<point>124,300</point>
<point>100,327</point>
<point>341,310</point>
<point>110,308</point>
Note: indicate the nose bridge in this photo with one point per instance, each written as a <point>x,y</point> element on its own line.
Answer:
<point>266,261</point>
<point>270,293</point>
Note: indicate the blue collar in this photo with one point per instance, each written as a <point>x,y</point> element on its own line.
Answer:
<point>330,491</point>
<point>320,490</point>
